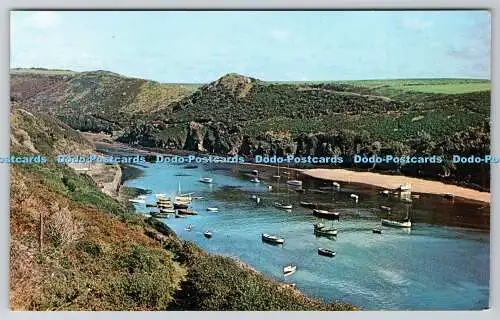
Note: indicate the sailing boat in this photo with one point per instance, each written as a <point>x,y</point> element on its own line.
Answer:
<point>282,204</point>
<point>207,179</point>
<point>277,176</point>
<point>406,223</point>
<point>182,198</point>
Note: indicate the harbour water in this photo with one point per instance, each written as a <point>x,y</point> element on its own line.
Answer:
<point>441,264</point>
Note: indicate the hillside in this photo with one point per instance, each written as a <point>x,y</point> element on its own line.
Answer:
<point>92,253</point>
<point>92,101</point>
<point>242,115</point>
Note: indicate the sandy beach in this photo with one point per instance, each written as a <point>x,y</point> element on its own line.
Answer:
<point>393,182</point>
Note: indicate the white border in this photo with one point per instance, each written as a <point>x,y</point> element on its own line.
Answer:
<point>244,4</point>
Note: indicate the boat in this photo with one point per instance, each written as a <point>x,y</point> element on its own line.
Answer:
<point>190,166</point>
<point>288,270</point>
<point>160,195</point>
<point>326,252</point>
<point>406,200</point>
<point>281,205</point>
<point>189,227</point>
<point>272,239</point>
<point>255,180</point>
<point>318,225</point>
<point>186,212</point>
<point>167,210</point>
<point>198,198</point>
<point>336,185</point>
<point>180,205</point>
<point>213,209</point>
<point>297,183</point>
<point>385,193</point>
<point>355,197</point>
<point>137,200</point>
<point>385,208</point>
<point>206,180</point>
<point>379,231</point>
<point>151,205</point>
<point>255,172</point>
<point>207,234</point>
<point>183,199</point>
<point>300,190</point>
<point>397,224</point>
<point>308,204</point>
<point>257,200</point>
<point>326,214</point>
<point>325,232</point>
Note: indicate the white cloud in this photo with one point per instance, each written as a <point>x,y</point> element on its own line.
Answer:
<point>417,24</point>
<point>43,20</point>
<point>279,34</point>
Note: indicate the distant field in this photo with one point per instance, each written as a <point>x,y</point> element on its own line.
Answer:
<point>390,87</point>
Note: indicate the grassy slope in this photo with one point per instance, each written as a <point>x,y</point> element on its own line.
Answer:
<point>97,255</point>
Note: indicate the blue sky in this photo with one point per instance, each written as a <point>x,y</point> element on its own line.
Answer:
<point>202,46</point>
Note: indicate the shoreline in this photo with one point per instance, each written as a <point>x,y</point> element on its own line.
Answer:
<point>393,182</point>
<point>380,180</point>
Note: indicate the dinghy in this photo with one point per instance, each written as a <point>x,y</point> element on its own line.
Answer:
<point>272,239</point>
<point>283,206</point>
<point>288,270</point>
<point>326,252</point>
<point>206,180</point>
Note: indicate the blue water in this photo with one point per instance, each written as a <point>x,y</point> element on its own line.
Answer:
<point>431,267</point>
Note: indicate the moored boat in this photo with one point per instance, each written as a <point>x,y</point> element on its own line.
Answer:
<point>326,214</point>
<point>308,204</point>
<point>318,225</point>
<point>167,210</point>
<point>206,180</point>
<point>141,201</point>
<point>325,232</point>
<point>212,209</point>
<point>180,206</point>
<point>255,180</point>
<point>385,208</point>
<point>288,270</point>
<point>397,224</point>
<point>326,252</point>
<point>272,239</point>
<point>208,234</point>
<point>151,205</point>
<point>376,230</point>
<point>281,205</point>
<point>296,183</point>
<point>186,212</point>
<point>190,166</point>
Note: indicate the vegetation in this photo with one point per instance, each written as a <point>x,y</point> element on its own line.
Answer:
<point>241,115</point>
<point>74,248</point>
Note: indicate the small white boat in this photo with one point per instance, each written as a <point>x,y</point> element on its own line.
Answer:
<point>396,224</point>
<point>160,195</point>
<point>297,183</point>
<point>257,200</point>
<point>336,185</point>
<point>255,172</point>
<point>255,180</point>
<point>326,252</point>
<point>206,180</point>
<point>213,209</point>
<point>355,197</point>
<point>137,200</point>
<point>272,239</point>
<point>385,193</point>
<point>283,206</point>
<point>198,198</point>
<point>288,270</point>
<point>269,187</point>
<point>143,197</point>
<point>183,199</point>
